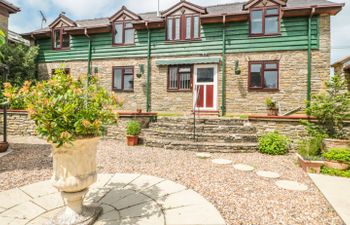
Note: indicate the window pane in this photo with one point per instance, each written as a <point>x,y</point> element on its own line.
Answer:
<point>188,27</point>
<point>270,79</point>
<point>65,41</point>
<point>184,69</point>
<point>177,28</point>
<point>256,21</point>
<point>271,66</point>
<point>128,25</point>
<point>173,78</point>
<point>271,25</point>
<point>129,36</point>
<point>128,71</point>
<point>128,82</point>
<point>57,39</point>
<point>170,29</point>
<point>196,27</point>
<point>271,11</point>
<point>185,81</point>
<point>118,36</point>
<point>255,75</point>
<point>205,75</point>
<point>117,78</point>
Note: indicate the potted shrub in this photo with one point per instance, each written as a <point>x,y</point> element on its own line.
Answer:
<point>309,154</point>
<point>133,129</point>
<point>272,109</point>
<point>337,158</point>
<point>273,143</point>
<point>72,114</point>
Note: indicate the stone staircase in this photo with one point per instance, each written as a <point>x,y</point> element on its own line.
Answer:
<point>212,134</point>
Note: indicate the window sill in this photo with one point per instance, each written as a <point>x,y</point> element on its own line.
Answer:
<point>121,91</point>
<point>262,90</point>
<point>183,41</point>
<point>177,90</point>
<point>264,35</point>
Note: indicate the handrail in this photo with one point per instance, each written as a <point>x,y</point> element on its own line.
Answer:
<point>4,104</point>
<point>194,112</point>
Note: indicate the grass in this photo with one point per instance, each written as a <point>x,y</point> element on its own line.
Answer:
<point>335,172</point>
<point>170,114</point>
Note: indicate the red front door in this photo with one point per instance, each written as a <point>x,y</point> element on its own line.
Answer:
<point>205,88</point>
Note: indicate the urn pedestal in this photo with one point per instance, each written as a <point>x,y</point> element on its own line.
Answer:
<point>74,170</point>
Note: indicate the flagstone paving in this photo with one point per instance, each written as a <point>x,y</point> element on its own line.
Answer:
<point>127,199</point>
<point>222,161</point>
<point>243,167</point>
<point>268,174</point>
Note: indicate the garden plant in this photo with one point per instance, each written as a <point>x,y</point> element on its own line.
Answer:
<point>274,143</point>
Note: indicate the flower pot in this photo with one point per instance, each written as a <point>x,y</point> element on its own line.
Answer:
<point>132,140</point>
<point>334,143</point>
<point>336,165</point>
<point>310,166</point>
<point>74,170</point>
<point>3,146</point>
<point>139,111</point>
<point>272,112</point>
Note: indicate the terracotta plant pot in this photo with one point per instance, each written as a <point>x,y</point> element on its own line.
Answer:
<point>3,146</point>
<point>310,166</point>
<point>132,140</point>
<point>336,165</point>
<point>334,143</point>
<point>272,112</point>
<point>139,111</point>
<point>74,170</point>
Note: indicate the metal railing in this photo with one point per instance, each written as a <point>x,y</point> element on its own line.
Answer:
<point>4,106</point>
<point>194,113</point>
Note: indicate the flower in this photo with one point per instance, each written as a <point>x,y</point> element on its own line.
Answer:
<point>86,123</point>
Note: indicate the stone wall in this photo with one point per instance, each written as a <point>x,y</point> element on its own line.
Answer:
<point>18,123</point>
<point>339,69</point>
<point>4,16</point>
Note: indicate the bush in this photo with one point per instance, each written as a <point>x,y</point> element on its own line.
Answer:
<point>270,103</point>
<point>310,149</point>
<point>273,143</point>
<point>338,154</point>
<point>16,96</point>
<point>133,128</point>
<point>65,109</point>
<point>335,172</point>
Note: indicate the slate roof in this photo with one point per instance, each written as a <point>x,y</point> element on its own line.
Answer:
<point>229,8</point>
<point>11,6</point>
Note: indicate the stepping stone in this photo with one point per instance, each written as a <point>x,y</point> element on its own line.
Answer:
<point>221,161</point>
<point>291,185</point>
<point>268,174</point>
<point>243,167</point>
<point>203,155</point>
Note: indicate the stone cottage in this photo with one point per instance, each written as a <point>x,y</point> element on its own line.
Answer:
<point>6,9</point>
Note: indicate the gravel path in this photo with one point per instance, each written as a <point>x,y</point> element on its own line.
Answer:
<point>241,197</point>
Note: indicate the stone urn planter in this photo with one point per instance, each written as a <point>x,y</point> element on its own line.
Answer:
<point>74,170</point>
<point>272,111</point>
<point>336,165</point>
<point>310,166</point>
<point>3,146</point>
<point>334,143</point>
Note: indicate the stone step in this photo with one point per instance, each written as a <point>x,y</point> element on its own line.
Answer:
<point>202,120</point>
<point>203,128</point>
<point>201,137</point>
<point>201,146</point>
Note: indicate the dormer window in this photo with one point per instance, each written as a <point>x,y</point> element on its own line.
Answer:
<point>265,21</point>
<point>60,39</point>
<point>123,33</point>
<point>184,27</point>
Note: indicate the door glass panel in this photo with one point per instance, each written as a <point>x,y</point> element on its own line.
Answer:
<point>270,79</point>
<point>255,75</point>
<point>205,75</point>
<point>117,78</point>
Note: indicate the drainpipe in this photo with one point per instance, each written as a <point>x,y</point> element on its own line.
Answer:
<point>148,101</point>
<point>309,59</point>
<point>36,59</point>
<point>89,54</point>
<point>223,67</point>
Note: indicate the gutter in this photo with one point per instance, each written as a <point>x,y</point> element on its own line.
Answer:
<point>148,92</point>
<point>223,67</point>
<point>89,54</point>
<point>309,59</point>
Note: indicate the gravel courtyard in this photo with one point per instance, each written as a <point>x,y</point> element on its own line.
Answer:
<point>241,197</point>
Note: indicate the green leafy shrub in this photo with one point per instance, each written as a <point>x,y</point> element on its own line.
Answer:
<point>270,103</point>
<point>338,154</point>
<point>133,128</point>
<point>65,109</point>
<point>16,96</point>
<point>310,149</point>
<point>273,143</point>
<point>335,172</point>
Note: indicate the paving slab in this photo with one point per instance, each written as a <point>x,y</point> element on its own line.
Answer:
<point>132,200</point>
<point>203,155</point>
<point>337,192</point>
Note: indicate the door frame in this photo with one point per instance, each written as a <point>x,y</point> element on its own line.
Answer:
<point>215,83</point>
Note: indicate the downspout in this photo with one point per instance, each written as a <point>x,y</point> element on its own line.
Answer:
<point>148,99</point>
<point>36,59</point>
<point>223,67</point>
<point>89,54</point>
<point>309,59</point>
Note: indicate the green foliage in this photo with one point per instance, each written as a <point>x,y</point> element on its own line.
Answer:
<point>310,149</point>
<point>273,143</point>
<point>270,103</point>
<point>338,154</point>
<point>335,172</point>
<point>330,109</point>
<point>65,109</point>
<point>2,37</point>
<point>16,96</point>
<point>133,128</point>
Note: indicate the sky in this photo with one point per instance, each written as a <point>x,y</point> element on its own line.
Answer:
<point>29,18</point>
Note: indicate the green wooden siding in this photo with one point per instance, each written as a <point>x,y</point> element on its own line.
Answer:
<point>293,37</point>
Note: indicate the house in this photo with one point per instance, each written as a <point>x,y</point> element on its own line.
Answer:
<point>342,68</point>
<point>215,59</point>
<point>6,9</point>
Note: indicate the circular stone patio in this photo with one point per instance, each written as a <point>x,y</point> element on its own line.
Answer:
<point>126,199</point>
